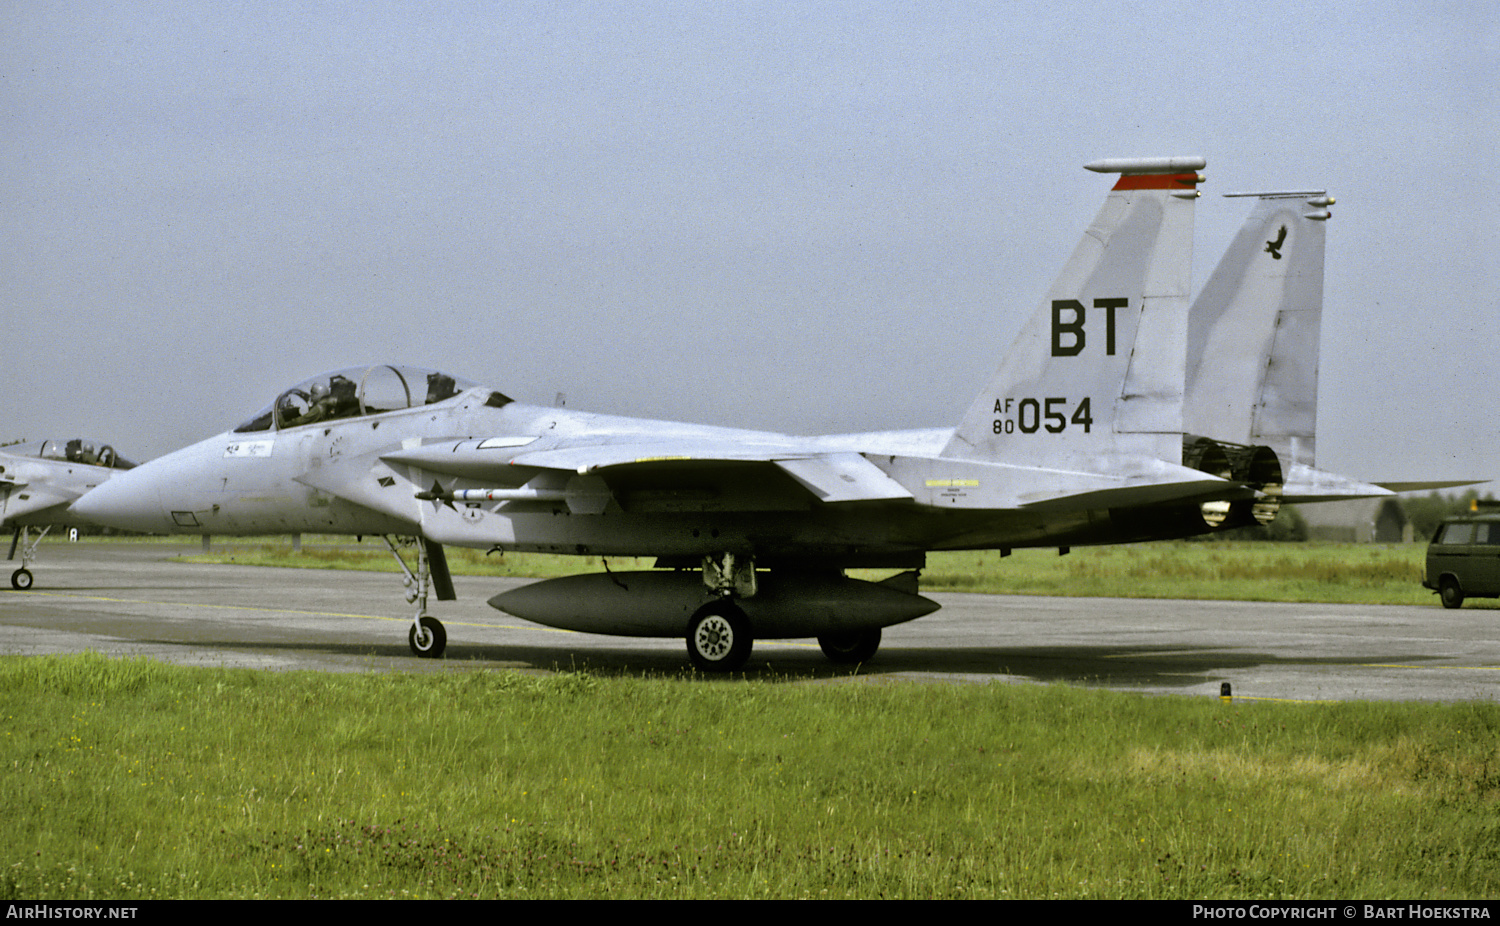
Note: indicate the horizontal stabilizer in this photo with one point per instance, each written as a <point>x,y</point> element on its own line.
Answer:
<point>1178,493</point>
<point>1305,485</point>
<point>943,482</point>
<point>1429,486</point>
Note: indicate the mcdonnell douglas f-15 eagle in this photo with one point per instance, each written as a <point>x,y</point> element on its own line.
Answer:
<point>1077,439</point>
<point>38,481</point>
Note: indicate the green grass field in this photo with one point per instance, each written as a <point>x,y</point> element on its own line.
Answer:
<point>134,779</point>
<point>1247,571</point>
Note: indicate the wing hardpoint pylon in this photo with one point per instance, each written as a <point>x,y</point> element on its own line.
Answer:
<point>1098,370</point>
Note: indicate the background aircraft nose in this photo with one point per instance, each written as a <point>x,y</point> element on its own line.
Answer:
<point>123,502</point>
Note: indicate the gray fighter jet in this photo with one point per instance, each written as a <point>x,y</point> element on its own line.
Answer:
<point>1077,439</point>
<point>38,481</point>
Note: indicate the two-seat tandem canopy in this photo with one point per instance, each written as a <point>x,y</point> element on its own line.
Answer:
<point>355,392</point>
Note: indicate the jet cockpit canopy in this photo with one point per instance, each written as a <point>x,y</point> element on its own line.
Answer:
<point>355,392</point>
<point>74,450</point>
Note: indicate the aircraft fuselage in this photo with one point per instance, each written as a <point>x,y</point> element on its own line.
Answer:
<point>332,478</point>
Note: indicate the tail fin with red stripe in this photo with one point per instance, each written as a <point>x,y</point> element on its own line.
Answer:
<point>1098,370</point>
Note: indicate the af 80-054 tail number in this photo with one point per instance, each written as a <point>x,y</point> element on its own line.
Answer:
<point>1053,414</point>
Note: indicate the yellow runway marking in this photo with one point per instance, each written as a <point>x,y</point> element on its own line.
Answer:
<point>1289,700</point>
<point>1298,662</point>
<point>240,607</point>
<point>1398,665</point>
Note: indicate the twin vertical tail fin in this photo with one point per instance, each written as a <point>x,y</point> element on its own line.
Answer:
<point>1098,370</point>
<point>1252,358</point>
<point>1252,361</point>
<point>1252,354</point>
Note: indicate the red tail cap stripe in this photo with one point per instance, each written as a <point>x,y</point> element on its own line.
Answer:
<point>1157,182</point>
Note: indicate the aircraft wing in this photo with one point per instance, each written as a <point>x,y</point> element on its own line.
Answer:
<point>832,476</point>
<point>24,496</point>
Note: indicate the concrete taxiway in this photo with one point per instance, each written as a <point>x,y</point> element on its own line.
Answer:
<point>132,599</point>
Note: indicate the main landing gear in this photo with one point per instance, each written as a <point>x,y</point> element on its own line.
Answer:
<point>719,635</point>
<point>427,638</point>
<point>851,648</point>
<point>21,579</point>
<point>719,640</point>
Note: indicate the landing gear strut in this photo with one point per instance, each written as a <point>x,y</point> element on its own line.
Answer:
<point>427,638</point>
<point>21,579</point>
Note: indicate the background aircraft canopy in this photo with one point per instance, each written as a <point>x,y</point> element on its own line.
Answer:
<point>74,450</point>
<point>354,392</point>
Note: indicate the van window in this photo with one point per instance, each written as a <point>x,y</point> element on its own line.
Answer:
<point>1453,534</point>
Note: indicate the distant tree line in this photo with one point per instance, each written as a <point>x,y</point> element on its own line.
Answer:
<point>1428,511</point>
<point>1425,513</point>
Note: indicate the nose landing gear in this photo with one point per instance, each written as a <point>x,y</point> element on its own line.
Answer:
<point>21,579</point>
<point>427,637</point>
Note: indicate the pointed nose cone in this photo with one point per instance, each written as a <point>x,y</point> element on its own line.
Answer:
<point>128,500</point>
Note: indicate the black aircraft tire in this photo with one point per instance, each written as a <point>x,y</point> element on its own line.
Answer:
<point>20,580</point>
<point>433,641</point>
<point>1452,595</point>
<point>718,638</point>
<point>851,648</point>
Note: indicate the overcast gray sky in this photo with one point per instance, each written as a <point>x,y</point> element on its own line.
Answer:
<point>806,217</point>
